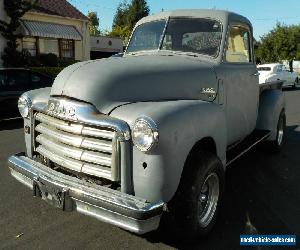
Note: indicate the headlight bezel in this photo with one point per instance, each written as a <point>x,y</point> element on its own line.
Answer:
<point>24,105</point>
<point>151,125</point>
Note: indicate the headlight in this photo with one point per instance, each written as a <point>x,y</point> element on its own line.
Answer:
<point>24,105</point>
<point>145,134</point>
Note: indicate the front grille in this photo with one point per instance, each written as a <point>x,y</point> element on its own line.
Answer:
<point>77,147</point>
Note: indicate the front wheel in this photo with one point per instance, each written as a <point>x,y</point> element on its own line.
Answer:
<point>194,209</point>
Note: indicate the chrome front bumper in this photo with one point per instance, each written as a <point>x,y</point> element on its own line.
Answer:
<point>69,194</point>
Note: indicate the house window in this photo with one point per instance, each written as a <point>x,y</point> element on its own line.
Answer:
<point>67,48</point>
<point>51,46</point>
<point>30,46</point>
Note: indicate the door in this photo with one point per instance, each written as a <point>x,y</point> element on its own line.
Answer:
<point>288,76</point>
<point>13,84</point>
<point>239,75</point>
<point>279,73</point>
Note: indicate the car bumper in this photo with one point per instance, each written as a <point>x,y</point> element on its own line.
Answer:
<point>71,194</point>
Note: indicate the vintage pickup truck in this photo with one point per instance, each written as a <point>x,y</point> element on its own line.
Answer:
<point>135,139</point>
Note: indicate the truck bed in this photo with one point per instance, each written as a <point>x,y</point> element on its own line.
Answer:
<point>270,85</point>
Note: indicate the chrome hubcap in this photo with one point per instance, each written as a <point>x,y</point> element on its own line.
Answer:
<point>208,199</point>
<point>280,132</point>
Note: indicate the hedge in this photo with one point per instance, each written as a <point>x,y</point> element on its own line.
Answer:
<point>53,71</point>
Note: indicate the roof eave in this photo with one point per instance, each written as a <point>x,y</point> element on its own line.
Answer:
<point>50,15</point>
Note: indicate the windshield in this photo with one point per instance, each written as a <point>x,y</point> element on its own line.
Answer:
<point>195,35</point>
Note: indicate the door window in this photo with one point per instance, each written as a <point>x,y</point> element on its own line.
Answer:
<point>279,68</point>
<point>3,80</point>
<point>17,80</point>
<point>40,81</point>
<point>284,68</point>
<point>238,45</point>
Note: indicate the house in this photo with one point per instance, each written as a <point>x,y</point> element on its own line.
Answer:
<point>55,26</point>
<point>103,46</point>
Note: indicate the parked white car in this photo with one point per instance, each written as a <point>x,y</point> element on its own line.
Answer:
<point>276,71</point>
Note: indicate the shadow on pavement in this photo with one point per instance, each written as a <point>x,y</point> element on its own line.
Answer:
<point>287,89</point>
<point>11,124</point>
<point>262,197</point>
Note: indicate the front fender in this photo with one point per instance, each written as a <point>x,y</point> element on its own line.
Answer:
<point>39,98</point>
<point>181,124</point>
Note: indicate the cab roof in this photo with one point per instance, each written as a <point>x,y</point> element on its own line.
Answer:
<point>222,15</point>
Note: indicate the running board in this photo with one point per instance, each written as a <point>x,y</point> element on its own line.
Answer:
<point>244,146</point>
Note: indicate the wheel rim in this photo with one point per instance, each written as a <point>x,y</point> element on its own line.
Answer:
<point>280,131</point>
<point>208,199</point>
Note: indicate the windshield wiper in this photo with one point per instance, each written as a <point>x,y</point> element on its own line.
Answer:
<point>182,53</point>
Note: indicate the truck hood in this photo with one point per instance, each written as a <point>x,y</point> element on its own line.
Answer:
<point>108,83</point>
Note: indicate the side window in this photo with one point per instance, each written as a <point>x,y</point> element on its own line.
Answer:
<point>279,68</point>
<point>40,81</point>
<point>3,80</point>
<point>17,80</point>
<point>238,45</point>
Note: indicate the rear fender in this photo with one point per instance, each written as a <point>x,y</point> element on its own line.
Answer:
<point>271,103</point>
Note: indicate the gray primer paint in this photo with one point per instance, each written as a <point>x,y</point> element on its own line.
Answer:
<point>271,103</point>
<point>181,124</point>
<point>165,87</point>
<point>111,82</point>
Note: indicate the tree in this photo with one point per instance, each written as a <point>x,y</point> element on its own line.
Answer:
<point>281,43</point>
<point>15,9</point>
<point>93,24</point>
<point>122,32</point>
<point>137,10</point>
<point>121,16</point>
<point>127,16</point>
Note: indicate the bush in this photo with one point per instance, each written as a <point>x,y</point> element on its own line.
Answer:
<point>65,62</point>
<point>25,58</point>
<point>52,71</point>
<point>49,60</point>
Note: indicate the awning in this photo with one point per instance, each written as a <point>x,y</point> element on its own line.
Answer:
<point>50,30</point>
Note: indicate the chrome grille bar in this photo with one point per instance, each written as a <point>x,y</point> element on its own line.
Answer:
<point>78,147</point>
<point>74,140</point>
<point>78,129</point>
<point>74,164</point>
<point>75,153</point>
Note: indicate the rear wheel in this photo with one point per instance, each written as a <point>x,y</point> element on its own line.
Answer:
<point>296,83</point>
<point>194,209</point>
<point>276,145</point>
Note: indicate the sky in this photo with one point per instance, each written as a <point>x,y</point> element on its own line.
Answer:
<point>264,14</point>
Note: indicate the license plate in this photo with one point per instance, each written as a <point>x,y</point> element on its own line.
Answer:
<point>53,194</point>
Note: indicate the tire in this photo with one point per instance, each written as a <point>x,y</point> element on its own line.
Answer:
<point>296,83</point>
<point>276,145</point>
<point>193,210</point>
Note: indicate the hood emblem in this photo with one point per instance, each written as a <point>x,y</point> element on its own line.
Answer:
<point>60,109</point>
<point>209,92</point>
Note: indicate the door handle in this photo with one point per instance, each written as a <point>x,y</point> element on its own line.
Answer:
<point>256,74</point>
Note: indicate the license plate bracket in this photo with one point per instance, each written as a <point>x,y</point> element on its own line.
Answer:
<point>55,195</point>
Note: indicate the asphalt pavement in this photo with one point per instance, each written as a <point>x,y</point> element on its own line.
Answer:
<point>262,197</point>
